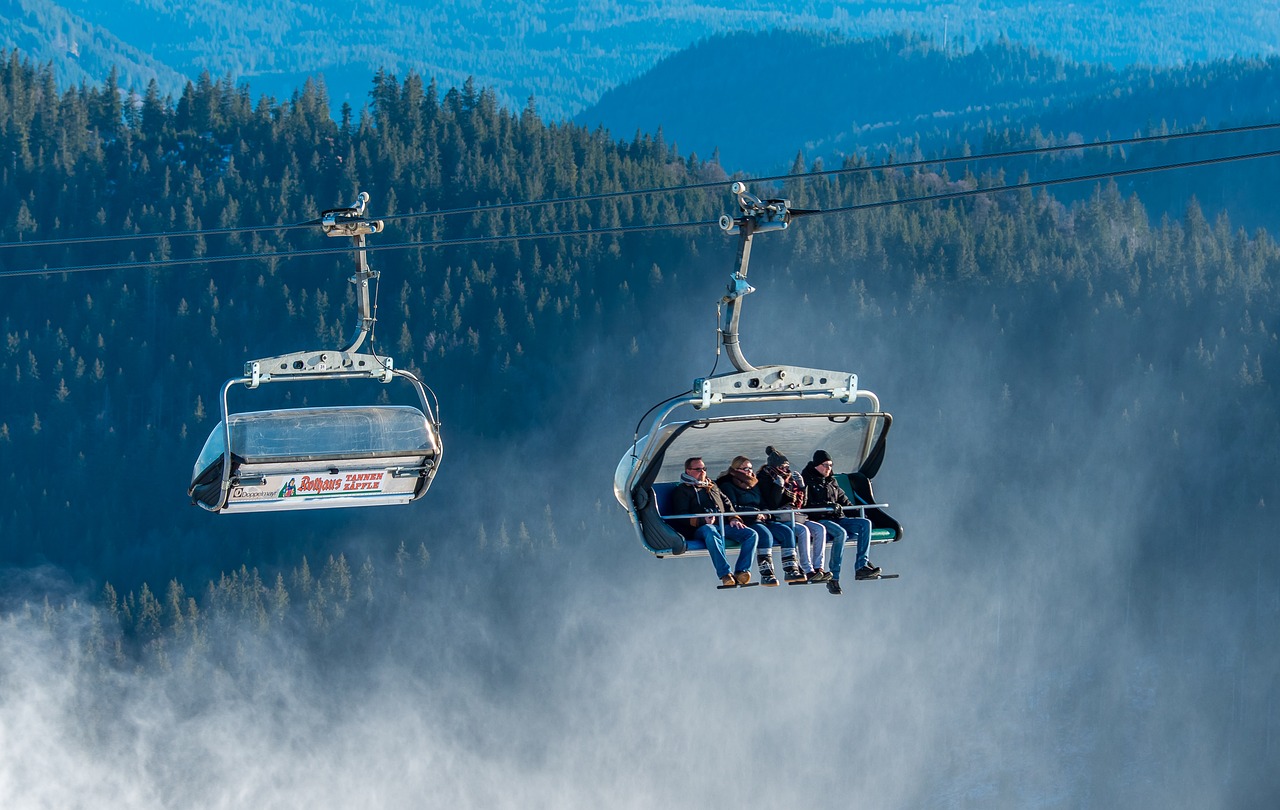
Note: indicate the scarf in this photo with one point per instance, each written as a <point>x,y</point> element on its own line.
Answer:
<point>794,484</point>
<point>685,478</point>
<point>744,480</point>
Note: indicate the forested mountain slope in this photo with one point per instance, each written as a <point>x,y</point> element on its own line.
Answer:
<point>105,374</point>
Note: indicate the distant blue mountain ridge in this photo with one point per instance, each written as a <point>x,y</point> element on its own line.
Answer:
<point>568,54</point>
<point>758,100</point>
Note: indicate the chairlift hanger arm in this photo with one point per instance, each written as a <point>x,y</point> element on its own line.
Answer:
<point>353,223</point>
<point>755,216</point>
<point>345,363</point>
<point>750,382</point>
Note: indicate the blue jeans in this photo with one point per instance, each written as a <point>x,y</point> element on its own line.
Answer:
<point>772,534</point>
<point>839,531</point>
<point>709,533</point>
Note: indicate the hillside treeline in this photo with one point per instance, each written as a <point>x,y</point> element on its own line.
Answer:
<point>108,379</point>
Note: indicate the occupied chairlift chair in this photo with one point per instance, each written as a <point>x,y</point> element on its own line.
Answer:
<point>821,413</point>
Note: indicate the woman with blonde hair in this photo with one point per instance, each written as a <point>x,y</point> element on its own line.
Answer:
<point>740,485</point>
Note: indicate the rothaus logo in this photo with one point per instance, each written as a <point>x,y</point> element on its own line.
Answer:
<point>332,484</point>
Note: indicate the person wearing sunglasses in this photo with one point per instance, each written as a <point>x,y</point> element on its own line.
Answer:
<point>743,487</point>
<point>697,495</point>
<point>823,491</point>
<point>782,488</point>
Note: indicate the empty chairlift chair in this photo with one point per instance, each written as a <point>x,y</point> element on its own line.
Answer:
<point>311,458</point>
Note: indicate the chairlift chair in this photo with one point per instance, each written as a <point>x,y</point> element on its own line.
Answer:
<point>312,458</point>
<point>795,409</point>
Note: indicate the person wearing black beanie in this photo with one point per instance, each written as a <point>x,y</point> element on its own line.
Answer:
<point>775,459</point>
<point>782,488</point>
<point>823,491</point>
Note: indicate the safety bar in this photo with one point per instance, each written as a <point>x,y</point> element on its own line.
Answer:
<point>860,507</point>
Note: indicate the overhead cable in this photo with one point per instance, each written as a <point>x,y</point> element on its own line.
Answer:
<point>666,226</point>
<point>910,164</point>
<point>297,254</point>
<point>584,198</point>
<point>1084,178</point>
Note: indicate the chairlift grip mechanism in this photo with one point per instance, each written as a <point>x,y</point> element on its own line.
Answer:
<point>763,215</point>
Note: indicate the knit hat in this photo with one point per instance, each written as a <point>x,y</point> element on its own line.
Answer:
<point>821,456</point>
<point>775,459</point>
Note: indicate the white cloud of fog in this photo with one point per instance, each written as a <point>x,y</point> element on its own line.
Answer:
<point>1009,682</point>
<point>948,688</point>
<point>1009,667</point>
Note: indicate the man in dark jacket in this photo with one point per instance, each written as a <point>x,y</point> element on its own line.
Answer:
<point>698,495</point>
<point>823,491</point>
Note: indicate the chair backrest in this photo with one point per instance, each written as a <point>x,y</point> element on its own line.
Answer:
<point>858,487</point>
<point>310,458</point>
<point>331,433</point>
<point>662,496</point>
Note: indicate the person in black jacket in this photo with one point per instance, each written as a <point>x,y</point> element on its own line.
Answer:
<point>744,490</point>
<point>782,488</point>
<point>823,491</point>
<point>698,496</point>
